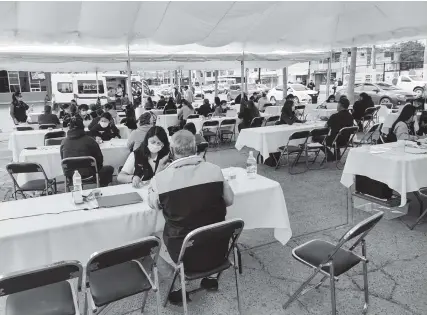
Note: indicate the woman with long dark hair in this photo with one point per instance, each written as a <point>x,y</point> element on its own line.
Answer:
<point>360,106</point>
<point>403,127</point>
<point>130,119</point>
<point>149,104</point>
<point>288,112</point>
<point>169,105</point>
<point>151,157</point>
<point>247,114</point>
<point>18,109</point>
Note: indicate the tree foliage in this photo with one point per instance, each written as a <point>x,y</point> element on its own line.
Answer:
<point>411,54</point>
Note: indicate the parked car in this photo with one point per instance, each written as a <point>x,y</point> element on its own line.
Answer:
<point>300,92</point>
<point>208,89</point>
<point>411,83</point>
<point>235,90</point>
<point>382,93</point>
<point>263,88</point>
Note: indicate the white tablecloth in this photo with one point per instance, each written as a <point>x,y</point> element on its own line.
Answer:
<point>115,153</point>
<point>322,112</point>
<point>267,140</point>
<point>54,229</point>
<point>401,171</point>
<point>166,121</point>
<point>273,110</point>
<point>33,117</point>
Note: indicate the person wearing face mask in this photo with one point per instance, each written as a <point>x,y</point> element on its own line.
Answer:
<point>18,109</point>
<point>83,112</point>
<point>150,158</point>
<point>105,130</point>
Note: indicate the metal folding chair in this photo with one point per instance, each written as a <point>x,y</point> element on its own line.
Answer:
<point>86,165</point>
<point>171,111</point>
<point>423,212</point>
<point>193,116</point>
<point>331,260</point>
<point>368,137</point>
<point>118,273</point>
<point>227,128</point>
<point>376,117</point>
<point>24,128</point>
<point>270,121</point>
<point>369,117</point>
<point>220,237</point>
<point>210,130</point>
<point>343,140</point>
<point>46,186</point>
<point>53,141</point>
<point>319,134</point>
<point>54,134</point>
<point>202,147</point>
<point>47,126</point>
<point>294,149</point>
<point>43,289</point>
<point>256,122</point>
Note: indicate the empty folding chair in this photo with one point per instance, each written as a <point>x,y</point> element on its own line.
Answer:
<point>256,122</point>
<point>54,134</point>
<point>343,140</point>
<point>43,290</point>
<point>368,137</point>
<point>24,128</point>
<point>171,111</point>
<point>118,273</point>
<point>220,238</point>
<point>210,130</point>
<point>298,149</point>
<point>271,121</point>
<point>193,116</point>
<point>318,142</point>
<point>227,128</point>
<point>47,126</point>
<point>331,260</point>
<point>53,141</point>
<point>45,186</point>
<point>86,165</point>
<point>202,147</point>
<point>368,117</point>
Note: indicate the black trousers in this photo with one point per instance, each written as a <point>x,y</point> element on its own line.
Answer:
<point>105,175</point>
<point>330,156</point>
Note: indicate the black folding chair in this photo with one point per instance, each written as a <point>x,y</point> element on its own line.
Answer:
<point>118,273</point>
<point>210,130</point>
<point>53,141</point>
<point>331,260</point>
<point>268,105</point>
<point>202,147</point>
<point>24,128</point>
<point>47,126</point>
<point>368,117</point>
<point>46,186</point>
<point>193,116</point>
<point>368,137</point>
<point>171,111</point>
<point>256,122</point>
<point>423,211</point>
<point>43,290</point>
<point>288,150</point>
<point>227,128</point>
<point>86,165</point>
<point>219,237</point>
<point>318,134</point>
<point>343,140</point>
<point>270,121</point>
<point>54,134</point>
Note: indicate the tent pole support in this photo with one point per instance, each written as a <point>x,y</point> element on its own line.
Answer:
<point>216,83</point>
<point>285,83</point>
<point>97,85</point>
<point>242,75</point>
<point>328,75</point>
<point>352,76</point>
<point>130,95</point>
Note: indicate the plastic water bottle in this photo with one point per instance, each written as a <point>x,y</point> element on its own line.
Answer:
<point>77,187</point>
<point>251,166</point>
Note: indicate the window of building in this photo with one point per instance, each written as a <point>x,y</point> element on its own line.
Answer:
<point>89,87</point>
<point>336,57</point>
<point>380,78</point>
<point>208,74</point>
<point>4,82</point>
<point>64,87</point>
<point>24,81</point>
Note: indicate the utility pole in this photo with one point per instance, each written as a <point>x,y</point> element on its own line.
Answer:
<point>425,61</point>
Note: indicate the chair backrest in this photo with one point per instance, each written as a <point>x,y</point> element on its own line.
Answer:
<point>24,167</point>
<point>256,122</point>
<point>219,237</point>
<point>143,248</point>
<point>24,128</point>
<point>370,111</point>
<point>346,135</point>
<point>47,126</point>
<point>374,128</point>
<point>228,123</point>
<point>39,277</point>
<point>272,119</point>
<point>54,134</point>
<point>299,135</point>
<point>54,141</point>
<point>173,129</point>
<point>193,116</point>
<point>268,105</point>
<point>86,165</point>
<point>210,123</point>
<point>319,132</point>
<point>300,107</point>
<point>171,111</point>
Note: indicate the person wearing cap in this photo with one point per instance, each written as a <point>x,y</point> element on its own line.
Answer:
<point>18,109</point>
<point>47,117</point>
<point>78,144</point>
<point>137,136</point>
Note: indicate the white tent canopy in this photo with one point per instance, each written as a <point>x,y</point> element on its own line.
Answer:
<point>251,26</point>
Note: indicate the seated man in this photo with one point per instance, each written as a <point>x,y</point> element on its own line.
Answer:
<point>78,144</point>
<point>205,109</point>
<point>335,123</point>
<point>191,193</point>
<point>83,112</point>
<point>48,117</point>
<point>105,129</point>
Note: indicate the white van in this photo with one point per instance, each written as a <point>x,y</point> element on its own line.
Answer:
<point>82,87</point>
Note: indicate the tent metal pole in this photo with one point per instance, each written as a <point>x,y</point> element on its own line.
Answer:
<point>97,85</point>
<point>130,95</point>
<point>352,76</point>
<point>285,83</point>
<point>328,75</point>
<point>242,75</point>
<point>216,83</point>
<point>190,79</point>
<point>246,81</point>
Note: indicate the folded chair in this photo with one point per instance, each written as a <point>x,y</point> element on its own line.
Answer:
<point>332,260</point>
<point>423,212</point>
<point>43,290</point>
<point>210,130</point>
<point>24,128</point>
<point>118,273</point>
<point>224,234</point>
<point>45,186</point>
<point>288,150</point>
<point>369,117</point>
<point>85,163</point>
<point>270,121</point>
<point>171,111</point>
<point>346,136</point>
<point>53,141</point>
<point>193,116</point>
<point>299,112</point>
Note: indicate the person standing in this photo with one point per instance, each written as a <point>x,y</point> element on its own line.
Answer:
<point>177,96</point>
<point>18,109</point>
<point>311,85</point>
<point>188,95</point>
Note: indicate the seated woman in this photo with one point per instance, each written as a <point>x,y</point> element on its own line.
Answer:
<point>105,129</point>
<point>150,158</point>
<point>185,111</point>
<point>360,106</point>
<point>169,105</point>
<point>130,119</point>
<point>288,112</point>
<point>331,99</point>
<point>149,104</point>
<point>402,128</point>
<point>96,117</point>
<point>218,111</point>
<point>422,123</point>
<point>247,114</point>
<point>111,108</point>
<point>205,109</point>
<point>192,128</point>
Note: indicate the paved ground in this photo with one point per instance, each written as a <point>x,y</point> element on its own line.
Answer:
<point>316,201</point>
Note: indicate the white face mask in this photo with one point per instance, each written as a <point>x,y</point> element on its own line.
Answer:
<point>154,148</point>
<point>103,124</point>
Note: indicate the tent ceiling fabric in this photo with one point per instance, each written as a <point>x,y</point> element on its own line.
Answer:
<point>253,26</point>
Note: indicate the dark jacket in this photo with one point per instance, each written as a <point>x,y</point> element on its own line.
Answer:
<point>130,123</point>
<point>143,169</point>
<point>48,119</point>
<point>204,110</point>
<point>247,117</point>
<point>18,110</point>
<point>78,144</point>
<point>106,134</point>
<point>288,116</point>
<point>87,117</point>
<point>161,104</point>
<point>169,106</point>
<point>336,122</point>
<point>359,108</point>
<point>94,122</point>
<point>66,120</point>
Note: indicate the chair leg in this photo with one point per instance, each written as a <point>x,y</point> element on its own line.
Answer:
<point>332,280</point>
<point>156,282</point>
<point>365,278</point>
<point>144,301</point>
<point>235,267</point>
<point>175,274</point>
<point>301,288</point>
<point>183,289</point>
<point>85,307</point>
